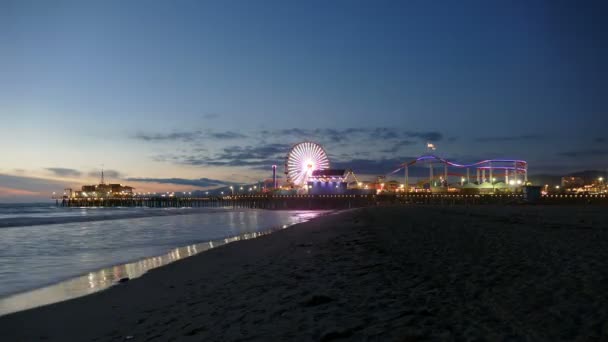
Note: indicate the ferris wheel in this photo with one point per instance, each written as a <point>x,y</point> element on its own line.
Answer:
<point>302,159</point>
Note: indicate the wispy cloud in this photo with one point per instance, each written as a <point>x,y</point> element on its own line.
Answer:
<point>523,137</point>
<point>426,136</point>
<point>227,135</point>
<point>263,148</point>
<point>200,182</point>
<point>14,187</point>
<point>175,136</point>
<point>346,134</point>
<point>188,136</point>
<point>64,172</point>
<point>397,146</point>
<point>371,166</point>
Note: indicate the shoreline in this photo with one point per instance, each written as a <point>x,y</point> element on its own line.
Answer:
<point>153,212</point>
<point>385,273</point>
<point>108,276</point>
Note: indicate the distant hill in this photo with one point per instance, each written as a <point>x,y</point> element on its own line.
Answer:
<point>588,176</point>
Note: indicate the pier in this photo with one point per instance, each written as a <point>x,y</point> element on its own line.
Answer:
<point>318,202</point>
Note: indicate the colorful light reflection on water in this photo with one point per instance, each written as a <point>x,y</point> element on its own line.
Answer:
<point>104,278</point>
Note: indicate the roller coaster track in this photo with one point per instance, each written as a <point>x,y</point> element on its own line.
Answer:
<point>515,164</point>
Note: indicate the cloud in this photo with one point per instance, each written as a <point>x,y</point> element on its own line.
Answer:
<point>260,156</point>
<point>321,134</point>
<point>384,133</point>
<point>253,152</point>
<point>175,136</point>
<point>346,134</point>
<point>584,153</point>
<point>523,137</point>
<point>426,136</point>
<point>108,174</point>
<point>257,164</point>
<point>227,135</point>
<point>397,146</point>
<point>64,172</point>
<point>28,188</point>
<point>188,136</point>
<point>11,192</point>
<point>201,182</point>
<point>371,166</point>
<point>600,140</point>
<point>259,150</point>
<point>343,136</point>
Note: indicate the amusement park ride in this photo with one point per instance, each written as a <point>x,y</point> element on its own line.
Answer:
<point>307,170</point>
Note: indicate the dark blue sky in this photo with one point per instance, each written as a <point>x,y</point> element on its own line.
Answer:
<point>165,89</point>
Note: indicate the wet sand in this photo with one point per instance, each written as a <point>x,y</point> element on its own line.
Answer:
<point>521,273</point>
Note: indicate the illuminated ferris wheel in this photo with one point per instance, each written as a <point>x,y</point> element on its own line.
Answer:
<point>302,159</point>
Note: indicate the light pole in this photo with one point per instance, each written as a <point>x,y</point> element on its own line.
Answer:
<point>232,190</point>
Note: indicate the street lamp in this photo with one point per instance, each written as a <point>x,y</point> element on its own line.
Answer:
<point>232,190</point>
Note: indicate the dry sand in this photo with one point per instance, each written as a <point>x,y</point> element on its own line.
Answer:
<point>387,274</point>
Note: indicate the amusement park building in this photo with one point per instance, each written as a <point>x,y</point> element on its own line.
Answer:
<point>327,181</point>
<point>308,170</point>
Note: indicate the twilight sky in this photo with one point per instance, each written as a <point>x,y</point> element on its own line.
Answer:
<point>179,95</point>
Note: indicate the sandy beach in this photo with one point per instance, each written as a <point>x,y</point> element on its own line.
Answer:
<point>521,273</point>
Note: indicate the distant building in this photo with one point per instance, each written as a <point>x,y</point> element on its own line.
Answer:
<point>327,181</point>
<point>572,182</point>
<point>104,191</point>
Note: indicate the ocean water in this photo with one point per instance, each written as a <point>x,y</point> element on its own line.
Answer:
<point>48,254</point>
<point>29,214</point>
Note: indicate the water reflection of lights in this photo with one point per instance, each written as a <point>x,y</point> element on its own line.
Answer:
<point>104,278</point>
<point>92,280</point>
